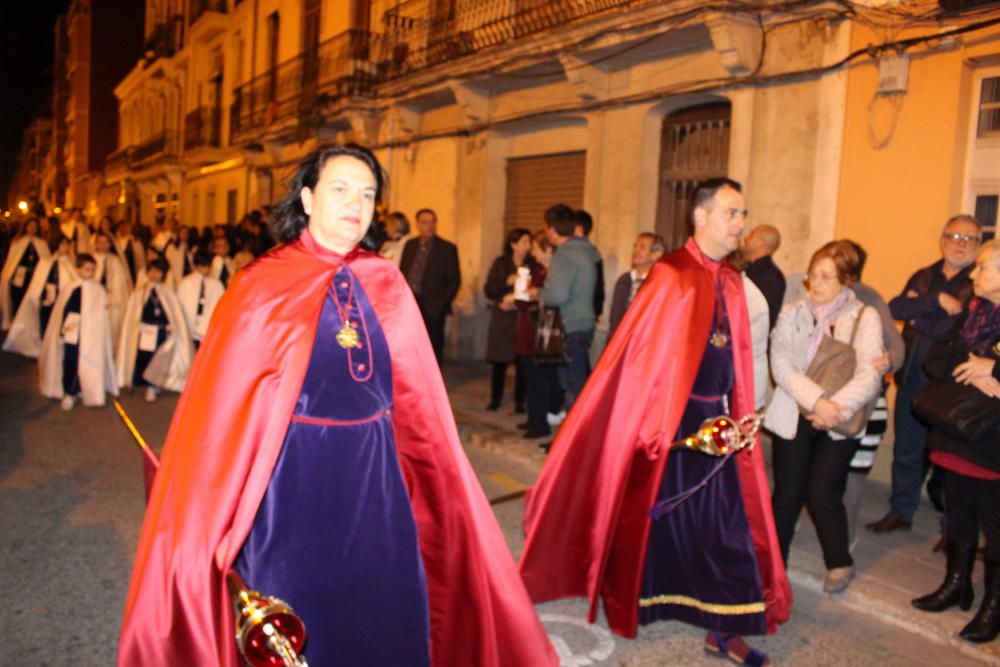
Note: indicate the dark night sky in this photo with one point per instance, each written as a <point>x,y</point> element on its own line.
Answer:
<point>25,73</point>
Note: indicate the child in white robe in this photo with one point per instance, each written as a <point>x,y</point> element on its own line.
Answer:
<point>76,359</point>
<point>198,293</point>
<point>154,349</point>
<point>23,256</point>
<point>52,275</point>
<point>114,277</point>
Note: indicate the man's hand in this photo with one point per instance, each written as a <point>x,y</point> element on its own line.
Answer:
<point>987,385</point>
<point>949,304</point>
<point>975,367</point>
<point>826,414</point>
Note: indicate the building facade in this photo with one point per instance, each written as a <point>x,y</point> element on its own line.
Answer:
<point>489,111</point>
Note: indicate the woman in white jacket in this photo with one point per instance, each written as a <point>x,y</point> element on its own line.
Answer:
<point>810,460</point>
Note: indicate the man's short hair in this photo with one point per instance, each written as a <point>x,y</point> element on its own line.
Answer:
<point>201,258</point>
<point>562,219</point>
<point>85,258</point>
<point>964,217</point>
<point>705,192</point>
<point>656,242</point>
<point>585,220</point>
<point>426,210</point>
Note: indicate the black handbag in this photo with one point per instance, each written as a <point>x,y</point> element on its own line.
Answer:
<point>550,338</point>
<point>959,410</point>
<point>832,368</point>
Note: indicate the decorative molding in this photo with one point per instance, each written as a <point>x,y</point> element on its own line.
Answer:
<point>738,39</point>
<point>588,82</point>
<point>475,105</point>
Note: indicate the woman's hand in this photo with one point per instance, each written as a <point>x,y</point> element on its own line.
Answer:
<point>826,414</point>
<point>975,367</point>
<point>988,385</point>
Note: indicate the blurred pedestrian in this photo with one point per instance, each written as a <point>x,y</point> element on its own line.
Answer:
<point>646,251</point>
<point>501,283</point>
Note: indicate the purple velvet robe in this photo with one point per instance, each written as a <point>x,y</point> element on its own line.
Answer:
<point>334,535</point>
<point>700,565</point>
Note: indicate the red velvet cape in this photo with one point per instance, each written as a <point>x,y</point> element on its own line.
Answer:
<point>224,440</point>
<point>587,518</point>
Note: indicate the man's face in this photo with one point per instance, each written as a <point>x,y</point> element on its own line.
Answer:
<point>426,225</point>
<point>719,227</point>
<point>154,274</point>
<point>87,270</point>
<point>220,246</point>
<point>103,244</point>
<point>642,253</point>
<point>960,252</point>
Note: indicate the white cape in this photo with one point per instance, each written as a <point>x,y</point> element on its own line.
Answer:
<point>216,270</point>
<point>168,369</point>
<point>25,336</point>
<point>96,366</point>
<point>138,252</point>
<point>112,273</point>
<point>187,293</point>
<point>17,249</point>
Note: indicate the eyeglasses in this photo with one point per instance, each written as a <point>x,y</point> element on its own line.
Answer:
<point>823,277</point>
<point>961,238</point>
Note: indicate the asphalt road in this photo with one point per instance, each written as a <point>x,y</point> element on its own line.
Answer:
<point>71,503</point>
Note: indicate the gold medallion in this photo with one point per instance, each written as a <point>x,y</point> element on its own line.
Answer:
<point>719,339</point>
<point>347,337</point>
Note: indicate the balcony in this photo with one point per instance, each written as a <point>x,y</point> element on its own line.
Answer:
<point>203,128</point>
<point>199,7</point>
<point>342,66</point>
<point>423,33</point>
<point>165,39</point>
<point>159,146</point>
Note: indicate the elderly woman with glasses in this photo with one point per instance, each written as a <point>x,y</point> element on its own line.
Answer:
<point>811,459</point>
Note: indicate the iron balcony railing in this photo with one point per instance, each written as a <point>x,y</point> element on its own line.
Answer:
<point>203,128</point>
<point>424,33</point>
<point>341,66</point>
<point>165,39</point>
<point>158,146</point>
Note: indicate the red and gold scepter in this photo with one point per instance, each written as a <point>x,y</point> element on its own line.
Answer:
<point>268,633</point>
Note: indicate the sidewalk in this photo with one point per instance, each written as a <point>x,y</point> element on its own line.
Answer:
<point>892,569</point>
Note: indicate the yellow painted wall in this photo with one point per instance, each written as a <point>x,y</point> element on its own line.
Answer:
<point>895,199</point>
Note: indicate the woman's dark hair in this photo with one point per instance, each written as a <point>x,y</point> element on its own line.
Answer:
<point>513,236</point>
<point>288,218</point>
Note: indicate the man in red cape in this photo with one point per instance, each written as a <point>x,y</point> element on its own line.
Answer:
<point>227,434</point>
<point>587,519</point>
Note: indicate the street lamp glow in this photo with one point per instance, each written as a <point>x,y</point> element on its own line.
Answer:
<point>22,206</point>
<point>57,210</point>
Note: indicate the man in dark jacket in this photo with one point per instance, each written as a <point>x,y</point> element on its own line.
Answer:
<point>646,251</point>
<point>757,248</point>
<point>430,265</point>
<point>929,304</point>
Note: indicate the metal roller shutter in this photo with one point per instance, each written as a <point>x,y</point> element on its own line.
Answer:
<point>536,183</point>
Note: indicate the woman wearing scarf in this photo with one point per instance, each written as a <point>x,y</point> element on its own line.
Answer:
<point>968,355</point>
<point>811,460</point>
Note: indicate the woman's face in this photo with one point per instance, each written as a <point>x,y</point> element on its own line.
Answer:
<point>341,206</point>
<point>824,284</point>
<point>521,247</point>
<point>986,276</point>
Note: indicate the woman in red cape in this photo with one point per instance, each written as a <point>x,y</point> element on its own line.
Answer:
<point>587,519</point>
<point>228,432</point>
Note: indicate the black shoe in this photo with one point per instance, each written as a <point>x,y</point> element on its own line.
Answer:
<point>957,585</point>
<point>531,434</point>
<point>493,406</point>
<point>889,523</point>
<point>985,625</point>
<point>523,426</point>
